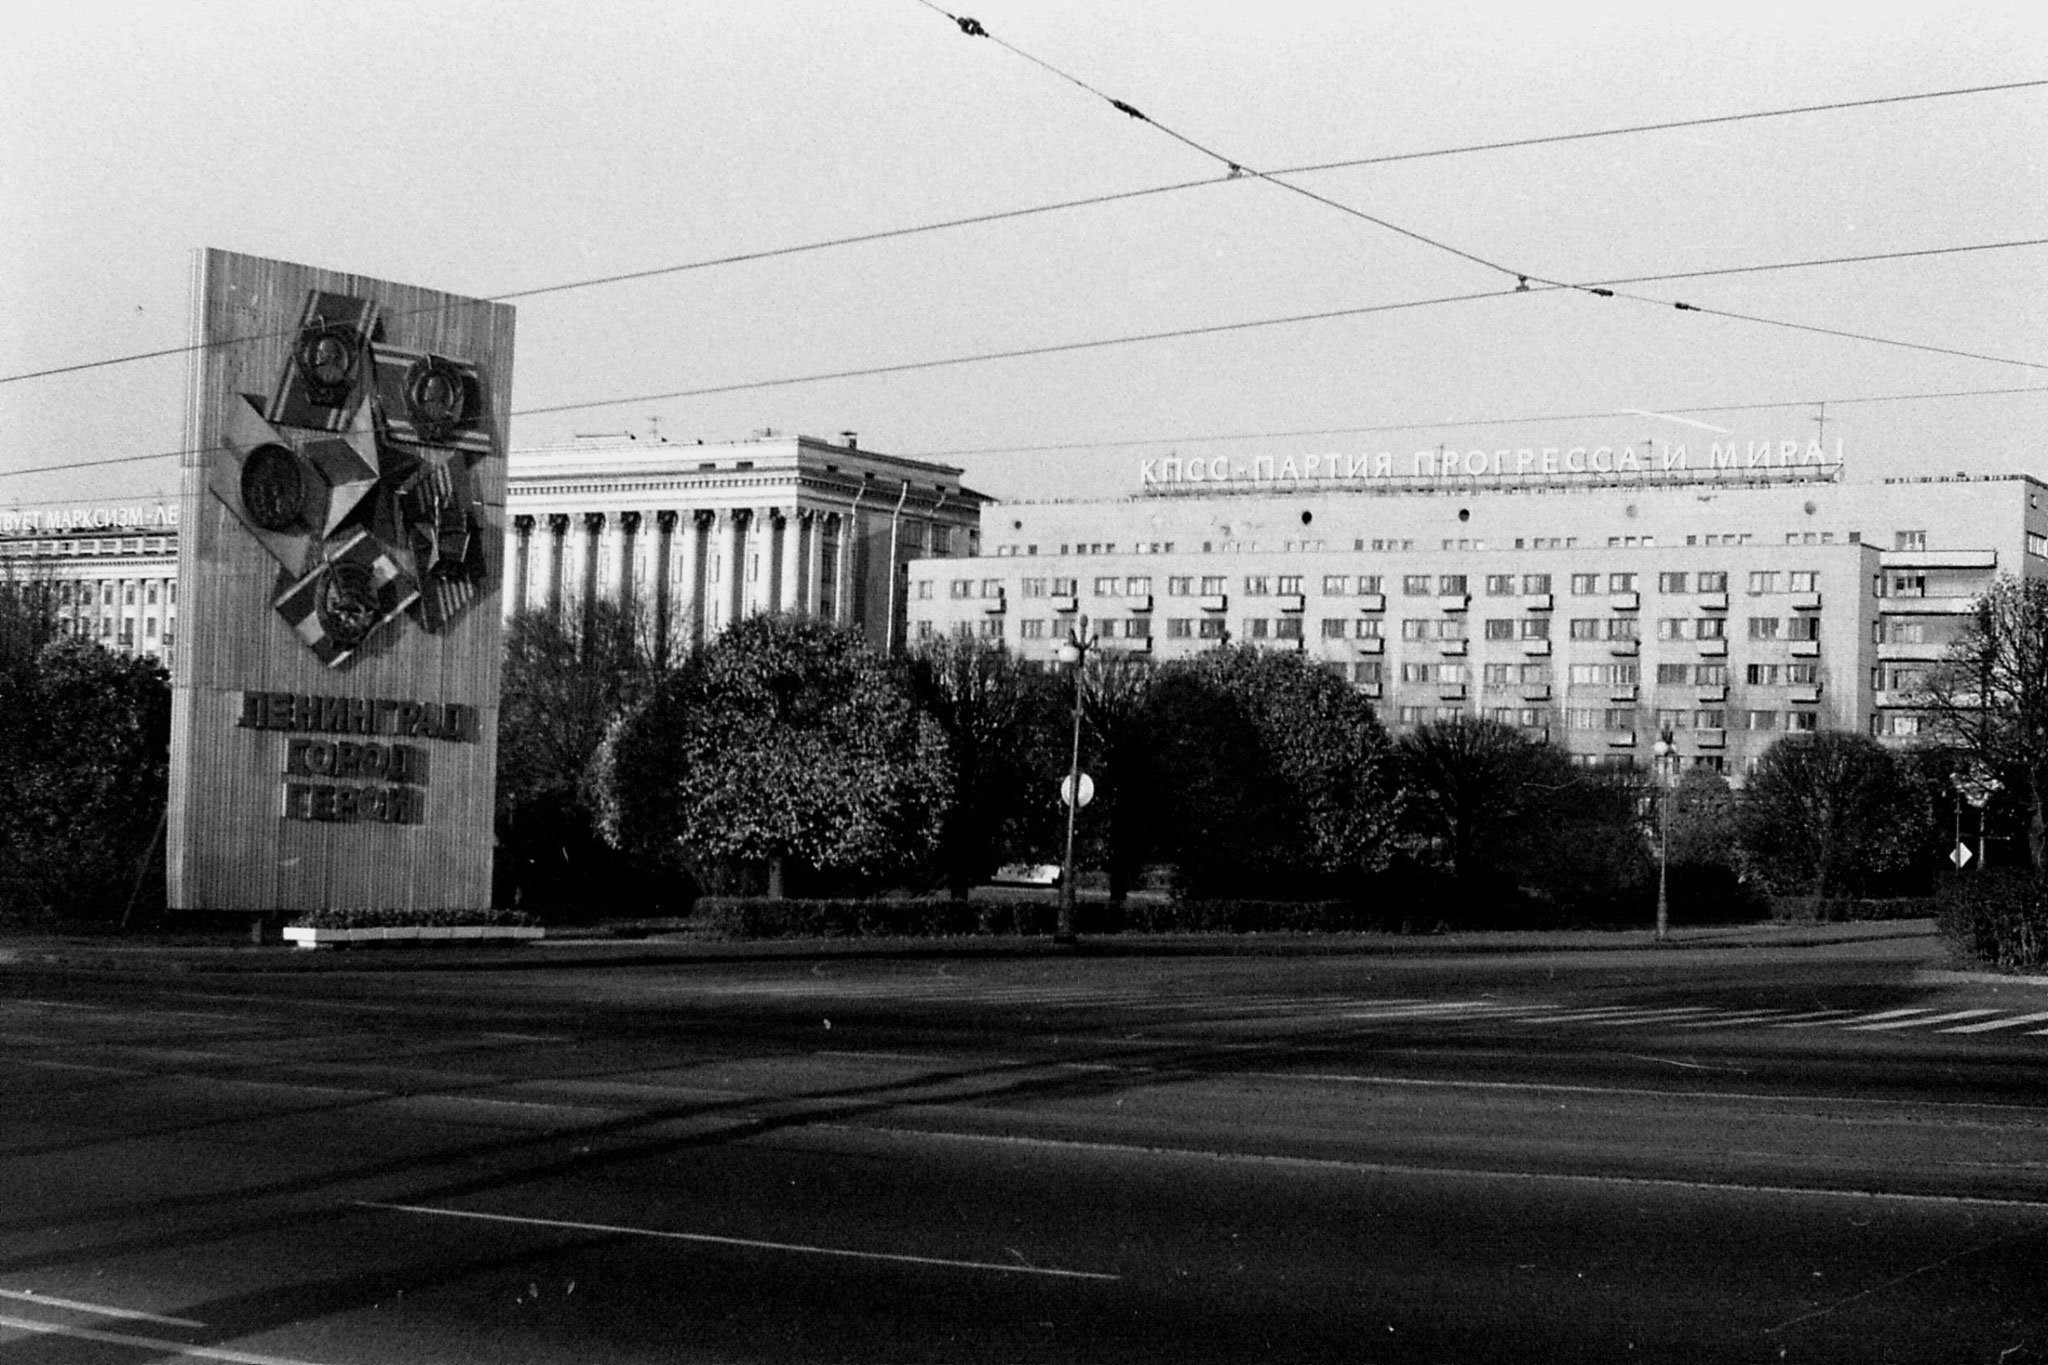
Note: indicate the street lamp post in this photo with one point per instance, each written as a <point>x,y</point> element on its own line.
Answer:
<point>1075,652</point>
<point>1664,750</point>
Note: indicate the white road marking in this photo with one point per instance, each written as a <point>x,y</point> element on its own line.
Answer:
<point>756,1244</point>
<point>1856,1019</point>
<point>176,1348</point>
<point>1455,1172</point>
<point>1989,1025</point>
<point>1740,1017</point>
<point>1671,1016</point>
<point>102,1310</point>
<point>1948,1018</point>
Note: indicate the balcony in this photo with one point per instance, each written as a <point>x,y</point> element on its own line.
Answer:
<point>1536,649</point>
<point>1537,601</point>
<point>1625,601</point>
<point>1985,560</point>
<point>1907,650</point>
<point>1710,739</point>
<point>1719,692</point>
<point>1621,739</point>
<point>1456,601</point>
<point>1539,734</point>
<point>1806,649</point>
<point>1901,700</point>
<point>1927,606</point>
<point>1291,601</point>
<point>1805,694</point>
<point>1215,601</point>
<point>1371,690</point>
<point>1372,601</point>
<point>1628,694</point>
<point>995,606</point>
<point>1451,691</point>
<point>1141,645</point>
<point>1139,604</point>
<point>1452,649</point>
<point>1624,649</point>
<point>1370,644</point>
<point>1536,692</point>
<point>1713,649</point>
<point>1064,605</point>
<point>1712,601</point>
<point>1806,601</point>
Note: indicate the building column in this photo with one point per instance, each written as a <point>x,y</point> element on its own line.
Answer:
<point>843,568</point>
<point>660,573</point>
<point>788,584</point>
<point>590,567</point>
<point>521,560</point>
<point>689,579</point>
<point>814,560</point>
<point>726,575</point>
<point>625,563</point>
<point>558,536</point>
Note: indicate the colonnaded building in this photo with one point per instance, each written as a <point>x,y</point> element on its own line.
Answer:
<point>1592,597</point>
<point>697,535</point>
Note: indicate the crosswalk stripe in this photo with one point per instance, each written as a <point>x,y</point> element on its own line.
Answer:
<point>1948,1018</point>
<point>1840,1022</point>
<point>1991,1024</point>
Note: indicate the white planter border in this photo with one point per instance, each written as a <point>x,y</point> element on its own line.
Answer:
<point>304,936</point>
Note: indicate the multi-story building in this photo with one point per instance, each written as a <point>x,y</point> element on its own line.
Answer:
<point>704,534</point>
<point>1726,607</point>
<point>112,572</point>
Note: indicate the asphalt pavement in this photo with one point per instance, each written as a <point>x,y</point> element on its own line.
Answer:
<point>1819,1146</point>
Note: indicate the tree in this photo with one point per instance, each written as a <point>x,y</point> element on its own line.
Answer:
<point>1275,773</point>
<point>1989,698</point>
<point>1828,813</point>
<point>84,773</point>
<point>1004,722</point>
<point>565,680</point>
<point>1473,787</point>
<point>785,746</point>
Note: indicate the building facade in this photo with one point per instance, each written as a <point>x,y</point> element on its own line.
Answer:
<point>701,535</point>
<point>1725,606</point>
<point>112,571</point>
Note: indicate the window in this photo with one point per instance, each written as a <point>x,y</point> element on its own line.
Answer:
<point>128,594</point>
<point>1760,720</point>
<point>1500,628</point>
<point>963,630</point>
<point>1212,585</point>
<point>1137,587</point>
<point>1905,725</point>
<point>1179,628</point>
<point>1031,628</point>
<point>1671,720</point>
<point>924,589</point>
<point>1802,722</point>
<point>1588,675</point>
<point>1712,580</point>
<point>1535,675</point>
<point>1140,628</point>
<point>1803,628</point>
<point>1209,628</point>
<point>1674,628</point>
<point>1109,587</point>
<point>1368,583</point>
<point>1065,587</point>
<point>962,588</point>
<point>1906,633</point>
<point>1764,627</point>
<point>1417,673</point>
<point>1909,540</point>
<point>1622,627</point>
<point>1500,585</point>
<point>1451,628</point>
<point>1256,627</point>
<point>1763,581</point>
<point>1500,675</point>
<point>992,627</point>
<point>1366,671</point>
<point>1451,585</point>
<point>1710,675</point>
<point>1332,628</point>
<point>1802,580</point>
<point>1582,718</point>
<point>1621,718</point>
<point>1179,587</point>
<point>1287,628</point>
<point>1411,715</point>
<point>1907,585</point>
<point>1366,628</point>
<point>1534,583</point>
<point>1710,628</point>
<point>1453,673</point>
<point>1621,582</point>
<point>2037,544</point>
<point>1710,720</point>
<point>1762,675</point>
<point>1032,587</point>
<point>1671,582</point>
<point>1585,627</point>
<point>1336,584</point>
<point>1290,583</point>
<point>150,597</point>
<point>1802,675</point>
<point>1414,628</point>
<point>1672,675</point>
<point>1585,584</point>
<point>1415,585</point>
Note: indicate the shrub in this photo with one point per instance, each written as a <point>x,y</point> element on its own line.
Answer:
<point>1997,918</point>
<point>403,919</point>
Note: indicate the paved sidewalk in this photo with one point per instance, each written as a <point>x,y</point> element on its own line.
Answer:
<point>583,948</point>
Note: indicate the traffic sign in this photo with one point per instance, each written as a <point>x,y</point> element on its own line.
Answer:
<point>1960,855</point>
<point>1087,789</point>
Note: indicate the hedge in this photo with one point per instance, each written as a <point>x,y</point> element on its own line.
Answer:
<point>403,919</point>
<point>1996,918</point>
<point>923,917</point>
<point>1840,909</point>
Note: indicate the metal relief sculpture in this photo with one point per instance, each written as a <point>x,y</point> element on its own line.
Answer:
<point>355,475</point>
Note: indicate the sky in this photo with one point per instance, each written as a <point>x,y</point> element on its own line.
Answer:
<point>487,148</point>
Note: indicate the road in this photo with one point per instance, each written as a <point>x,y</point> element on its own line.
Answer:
<point>1749,1154</point>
